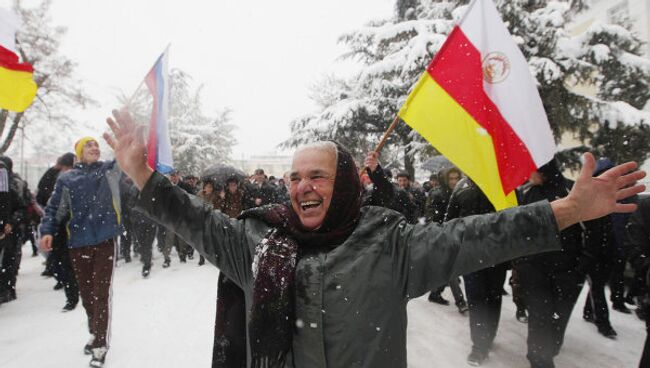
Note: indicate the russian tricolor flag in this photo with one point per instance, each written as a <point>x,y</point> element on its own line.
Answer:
<point>159,148</point>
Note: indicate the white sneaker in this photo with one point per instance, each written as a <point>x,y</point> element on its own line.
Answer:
<point>99,354</point>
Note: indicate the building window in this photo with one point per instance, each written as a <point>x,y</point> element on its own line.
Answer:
<point>619,13</point>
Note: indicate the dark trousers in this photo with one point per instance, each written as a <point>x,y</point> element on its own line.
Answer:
<point>161,237</point>
<point>645,356</point>
<point>517,292</point>
<point>173,240</point>
<point>126,239</point>
<point>596,303</point>
<point>62,269</point>
<point>617,281</point>
<point>93,267</point>
<point>229,349</point>
<point>10,261</point>
<point>483,290</point>
<point>144,234</point>
<point>550,294</point>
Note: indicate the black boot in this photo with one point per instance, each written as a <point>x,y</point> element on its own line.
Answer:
<point>462,307</point>
<point>69,306</point>
<point>437,298</point>
<point>621,308</point>
<point>607,331</point>
<point>146,269</point>
<point>521,315</point>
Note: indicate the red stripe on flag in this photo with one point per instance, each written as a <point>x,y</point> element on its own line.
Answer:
<point>457,68</point>
<point>152,142</point>
<point>9,60</point>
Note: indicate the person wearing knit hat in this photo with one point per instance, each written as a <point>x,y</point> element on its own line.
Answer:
<point>88,198</point>
<point>326,280</point>
<point>87,144</point>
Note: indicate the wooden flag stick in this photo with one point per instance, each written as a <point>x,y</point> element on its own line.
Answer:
<point>385,137</point>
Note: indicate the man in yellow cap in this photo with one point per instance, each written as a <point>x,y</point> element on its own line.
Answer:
<point>87,198</point>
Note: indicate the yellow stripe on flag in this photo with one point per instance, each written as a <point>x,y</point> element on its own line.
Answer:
<point>449,128</point>
<point>17,90</point>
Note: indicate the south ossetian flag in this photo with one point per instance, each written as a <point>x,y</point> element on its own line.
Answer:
<point>17,87</point>
<point>478,105</point>
<point>159,147</point>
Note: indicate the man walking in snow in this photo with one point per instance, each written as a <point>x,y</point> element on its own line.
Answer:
<point>89,195</point>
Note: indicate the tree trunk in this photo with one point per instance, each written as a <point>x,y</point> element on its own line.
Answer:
<point>3,120</point>
<point>408,164</point>
<point>12,133</point>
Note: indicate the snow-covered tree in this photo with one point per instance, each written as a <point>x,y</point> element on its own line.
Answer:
<point>38,43</point>
<point>198,140</point>
<point>393,53</point>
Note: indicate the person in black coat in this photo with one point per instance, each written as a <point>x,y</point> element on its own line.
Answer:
<point>435,211</point>
<point>599,241</point>
<point>551,282</point>
<point>261,192</point>
<point>58,261</point>
<point>483,288</point>
<point>637,244</point>
<point>18,199</point>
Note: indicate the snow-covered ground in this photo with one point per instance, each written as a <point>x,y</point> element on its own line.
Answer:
<point>167,320</point>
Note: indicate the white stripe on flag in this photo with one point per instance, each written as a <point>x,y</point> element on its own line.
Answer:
<point>516,96</point>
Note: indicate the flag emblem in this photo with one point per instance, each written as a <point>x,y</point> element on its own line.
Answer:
<point>496,67</point>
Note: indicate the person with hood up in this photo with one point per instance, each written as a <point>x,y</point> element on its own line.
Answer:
<point>551,282</point>
<point>88,198</point>
<point>326,282</point>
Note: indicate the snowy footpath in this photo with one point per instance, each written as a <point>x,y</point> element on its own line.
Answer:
<point>167,321</point>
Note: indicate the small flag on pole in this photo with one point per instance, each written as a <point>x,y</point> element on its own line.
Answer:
<point>159,147</point>
<point>17,87</point>
<point>477,104</point>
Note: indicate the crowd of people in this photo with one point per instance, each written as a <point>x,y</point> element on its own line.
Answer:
<point>90,214</point>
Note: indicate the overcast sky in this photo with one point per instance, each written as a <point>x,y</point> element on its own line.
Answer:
<point>256,57</point>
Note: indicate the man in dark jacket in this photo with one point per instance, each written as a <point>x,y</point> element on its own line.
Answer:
<point>438,200</point>
<point>415,198</point>
<point>551,282</point>
<point>261,192</point>
<point>19,200</point>
<point>169,237</point>
<point>436,209</point>
<point>599,243</point>
<point>58,260</point>
<point>362,264</point>
<point>88,198</point>
<point>484,288</point>
<point>380,191</point>
<point>637,243</point>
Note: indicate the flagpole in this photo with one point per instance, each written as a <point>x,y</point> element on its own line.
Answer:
<point>128,102</point>
<point>386,134</point>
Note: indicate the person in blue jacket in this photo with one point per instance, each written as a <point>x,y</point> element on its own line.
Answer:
<point>88,197</point>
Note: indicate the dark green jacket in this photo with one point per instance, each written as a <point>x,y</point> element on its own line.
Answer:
<point>351,300</point>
